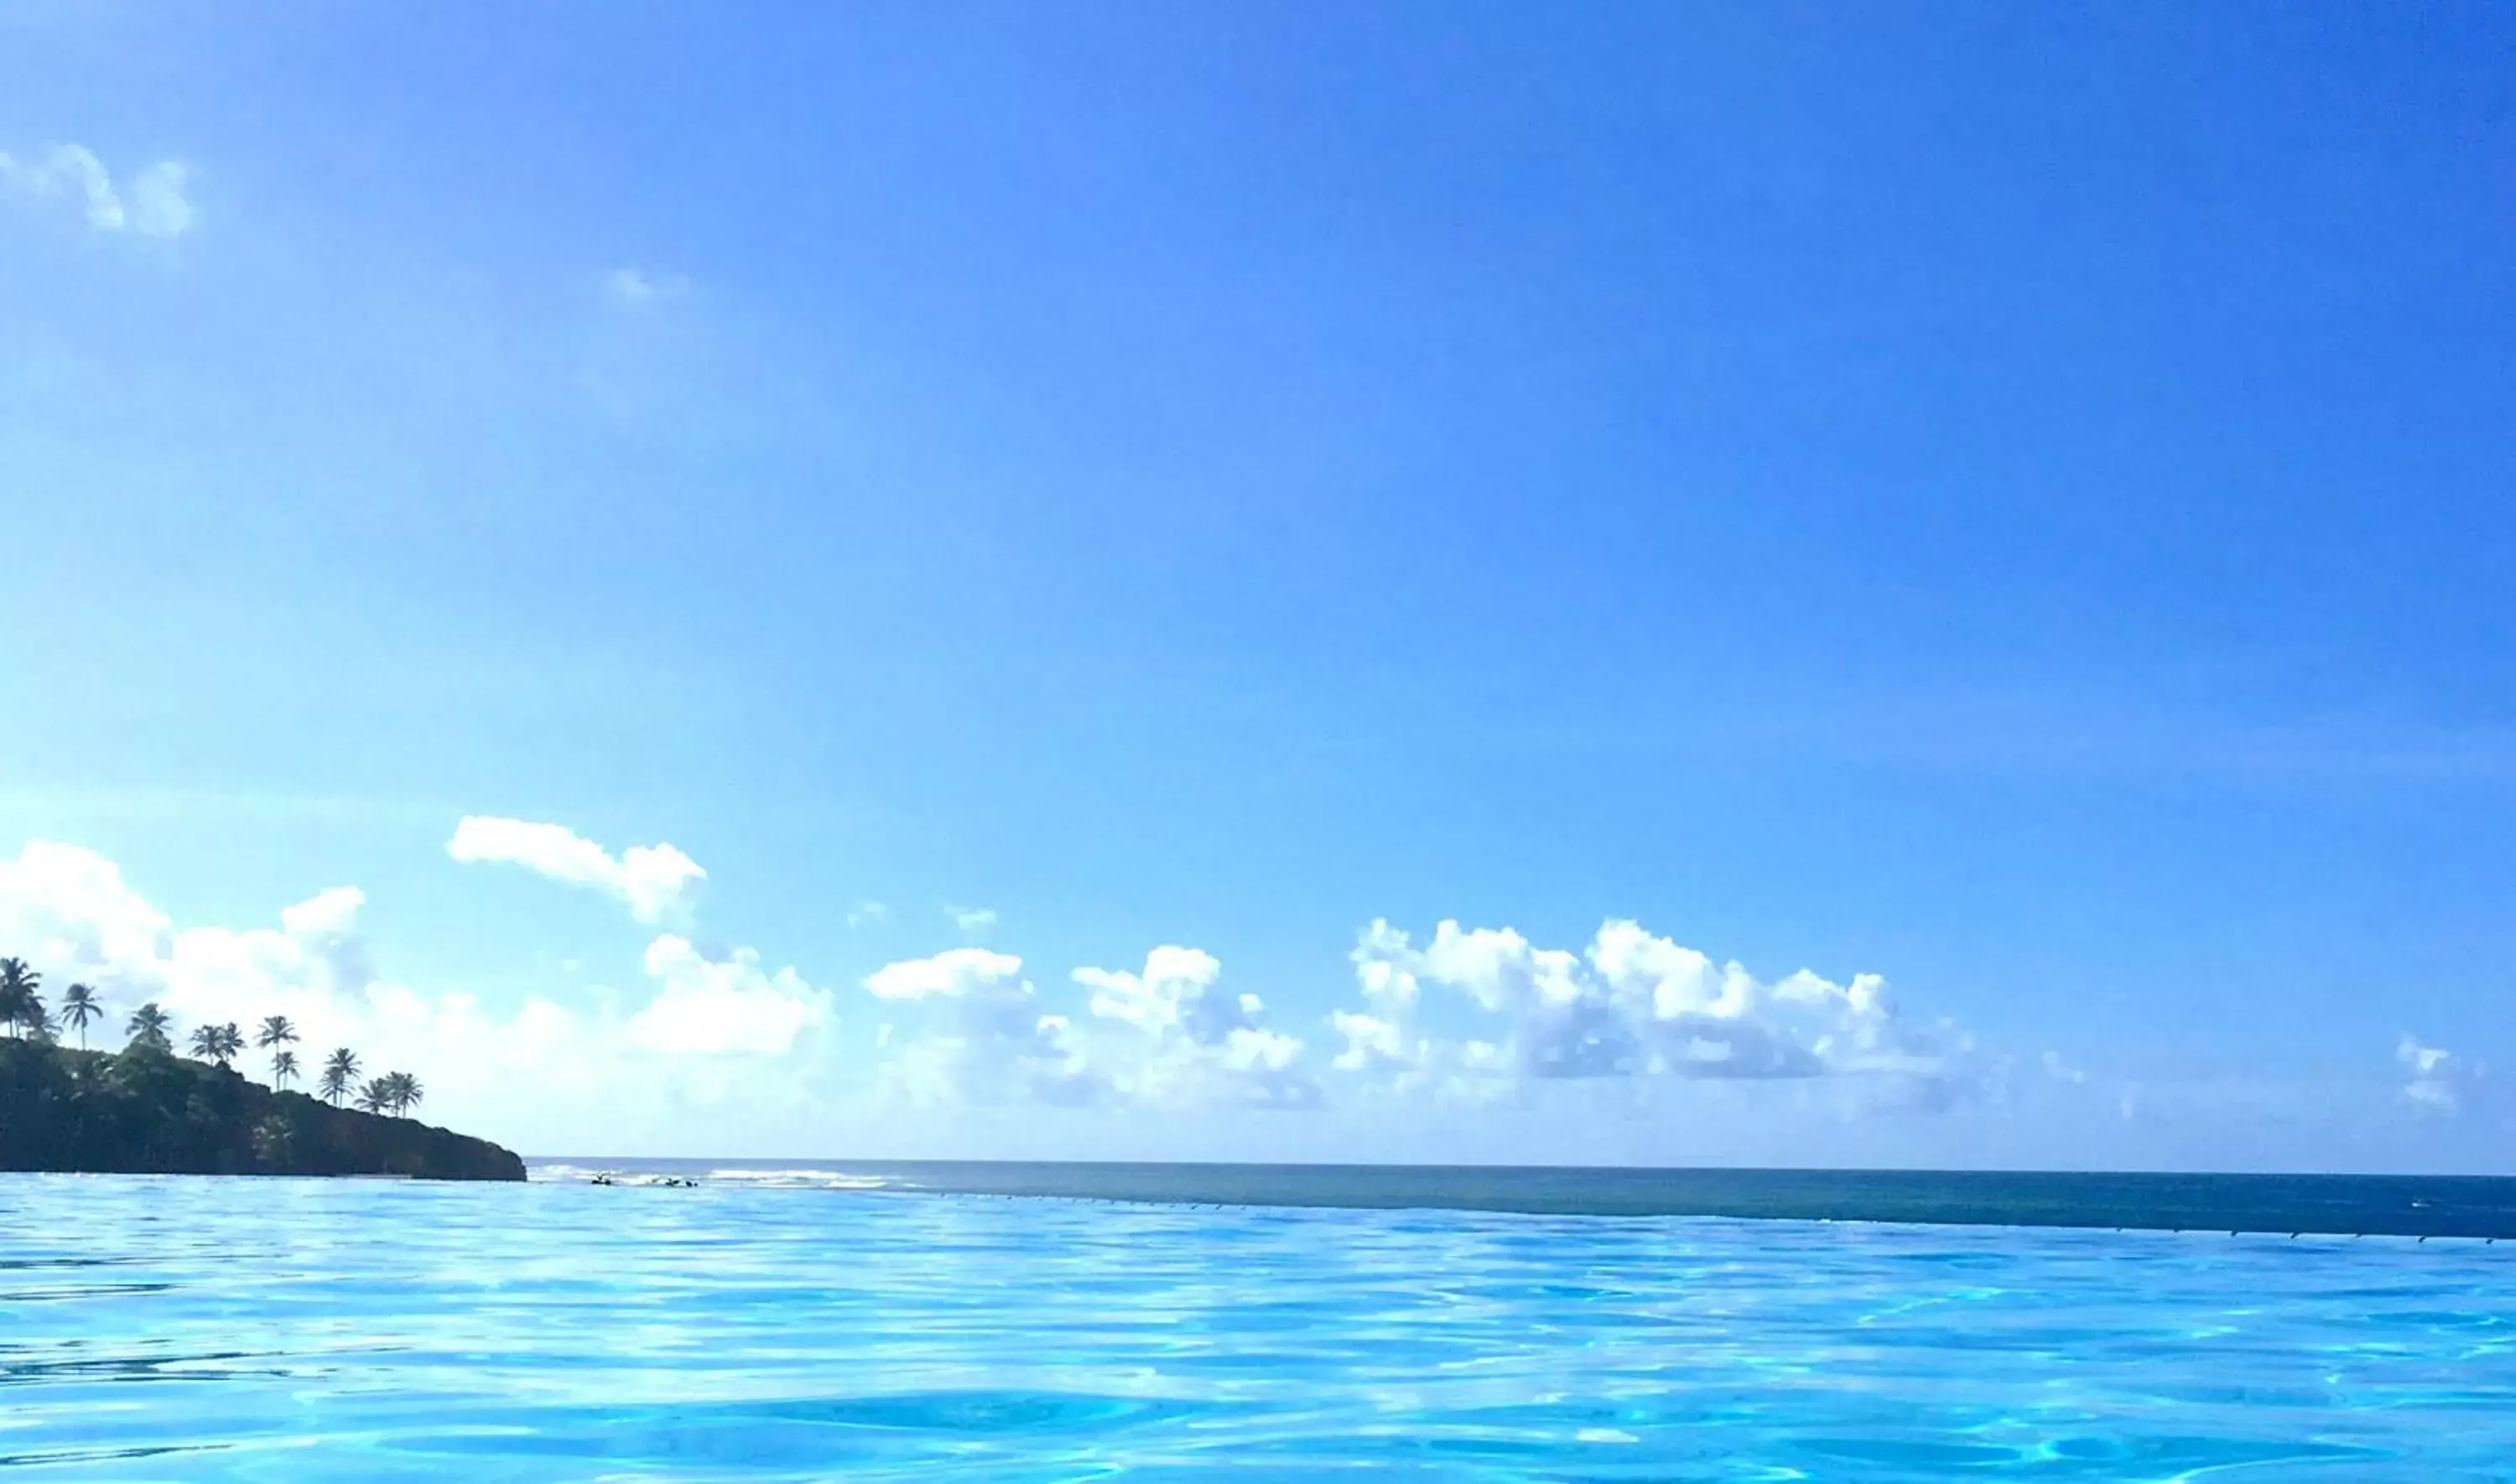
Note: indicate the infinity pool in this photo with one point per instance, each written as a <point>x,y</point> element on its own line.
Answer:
<point>285,1330</point>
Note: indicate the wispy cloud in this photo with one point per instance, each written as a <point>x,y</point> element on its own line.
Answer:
<point>974,922</point>
<point>866,913</point>
<point>636,288</point>
<point>655,881</point>
<point>2062,1071</point>
<point>155,203</point>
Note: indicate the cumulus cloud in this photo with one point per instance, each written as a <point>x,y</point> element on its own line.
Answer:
<point>67,906</point>
<point>69,911</point>
<point>705,1034</point>
<point>1168,1036</point>
<point>1632,1004</point>
<point>715,1005</point>
<point>1463,1016</point>
<point>2440,1081</point>
<point>997,1042</point>
<point>156,204</point>
<point>957,972</point>
<point>1376,1037</point>
<point>1198,1044</point>
<point>656,881</point>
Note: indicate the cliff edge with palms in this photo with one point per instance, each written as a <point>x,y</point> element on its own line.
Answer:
<point>148,1111</point>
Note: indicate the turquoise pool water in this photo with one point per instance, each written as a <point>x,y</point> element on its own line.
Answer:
<point>286,1331</point>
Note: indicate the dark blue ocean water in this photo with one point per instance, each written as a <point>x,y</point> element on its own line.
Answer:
<point>2414,1206</point>
<point>821,1323</point>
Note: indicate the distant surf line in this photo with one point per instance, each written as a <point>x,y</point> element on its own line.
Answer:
<point>2480,1206</point>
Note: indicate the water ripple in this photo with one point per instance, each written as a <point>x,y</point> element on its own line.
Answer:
<point>771,1329</point>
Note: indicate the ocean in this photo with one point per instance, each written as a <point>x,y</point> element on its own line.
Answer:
<point>2481,1206</point>
<point>796,1322</point>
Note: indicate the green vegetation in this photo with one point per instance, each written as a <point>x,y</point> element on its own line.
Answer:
<point>21,1009</point>
<point>148,1026</point>
<point>275,1037</point>
<point>146,1110</point>
<point>217,1042</point>
<point>340,1070</point>
<point>79,1006</point>
<point>395,1093</point>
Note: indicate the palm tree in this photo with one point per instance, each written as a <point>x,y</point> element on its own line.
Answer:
<point>217,1042</point>
<point>340,1069</point>
<point>284,1066</point>
<point>376,1097</point>
<point>19,1005</point>
<point>79,1006</point>
<point>148,1028</point>
<point>405,1091</point>
<point>276,1032</point>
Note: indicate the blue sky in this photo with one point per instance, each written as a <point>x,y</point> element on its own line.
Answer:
<point>2009,500</point>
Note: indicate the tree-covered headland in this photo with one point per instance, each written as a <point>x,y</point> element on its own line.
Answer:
<point>147,1110</point>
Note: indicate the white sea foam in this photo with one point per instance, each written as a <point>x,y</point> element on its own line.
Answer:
<point>803,1178</point>
<point>816,1180</point>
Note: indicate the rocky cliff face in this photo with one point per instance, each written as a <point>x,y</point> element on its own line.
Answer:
<point>149,1112</point>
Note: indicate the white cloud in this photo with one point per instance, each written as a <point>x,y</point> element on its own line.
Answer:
<point>2441,1082</point>
<point>864,913</point>
<point>712,1007</point>
<point>1456,1042</point>
<point>656,881</point>
<point>1170,992</point>
<point>721,1034</point>
<point>2062,1071</point>
<point>1198,1044</point>
<point>972,920</point>
<point>1632,1004</point>
<point>1372,1043</point>
<point>331,912</point>
<point>1376,1040</point>
<point>62,905</point>
<point>636,288</point>
<point>158,206</point>
<point>960,973</point>
<point>1167,1037</point>
<point>997,1042</point>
